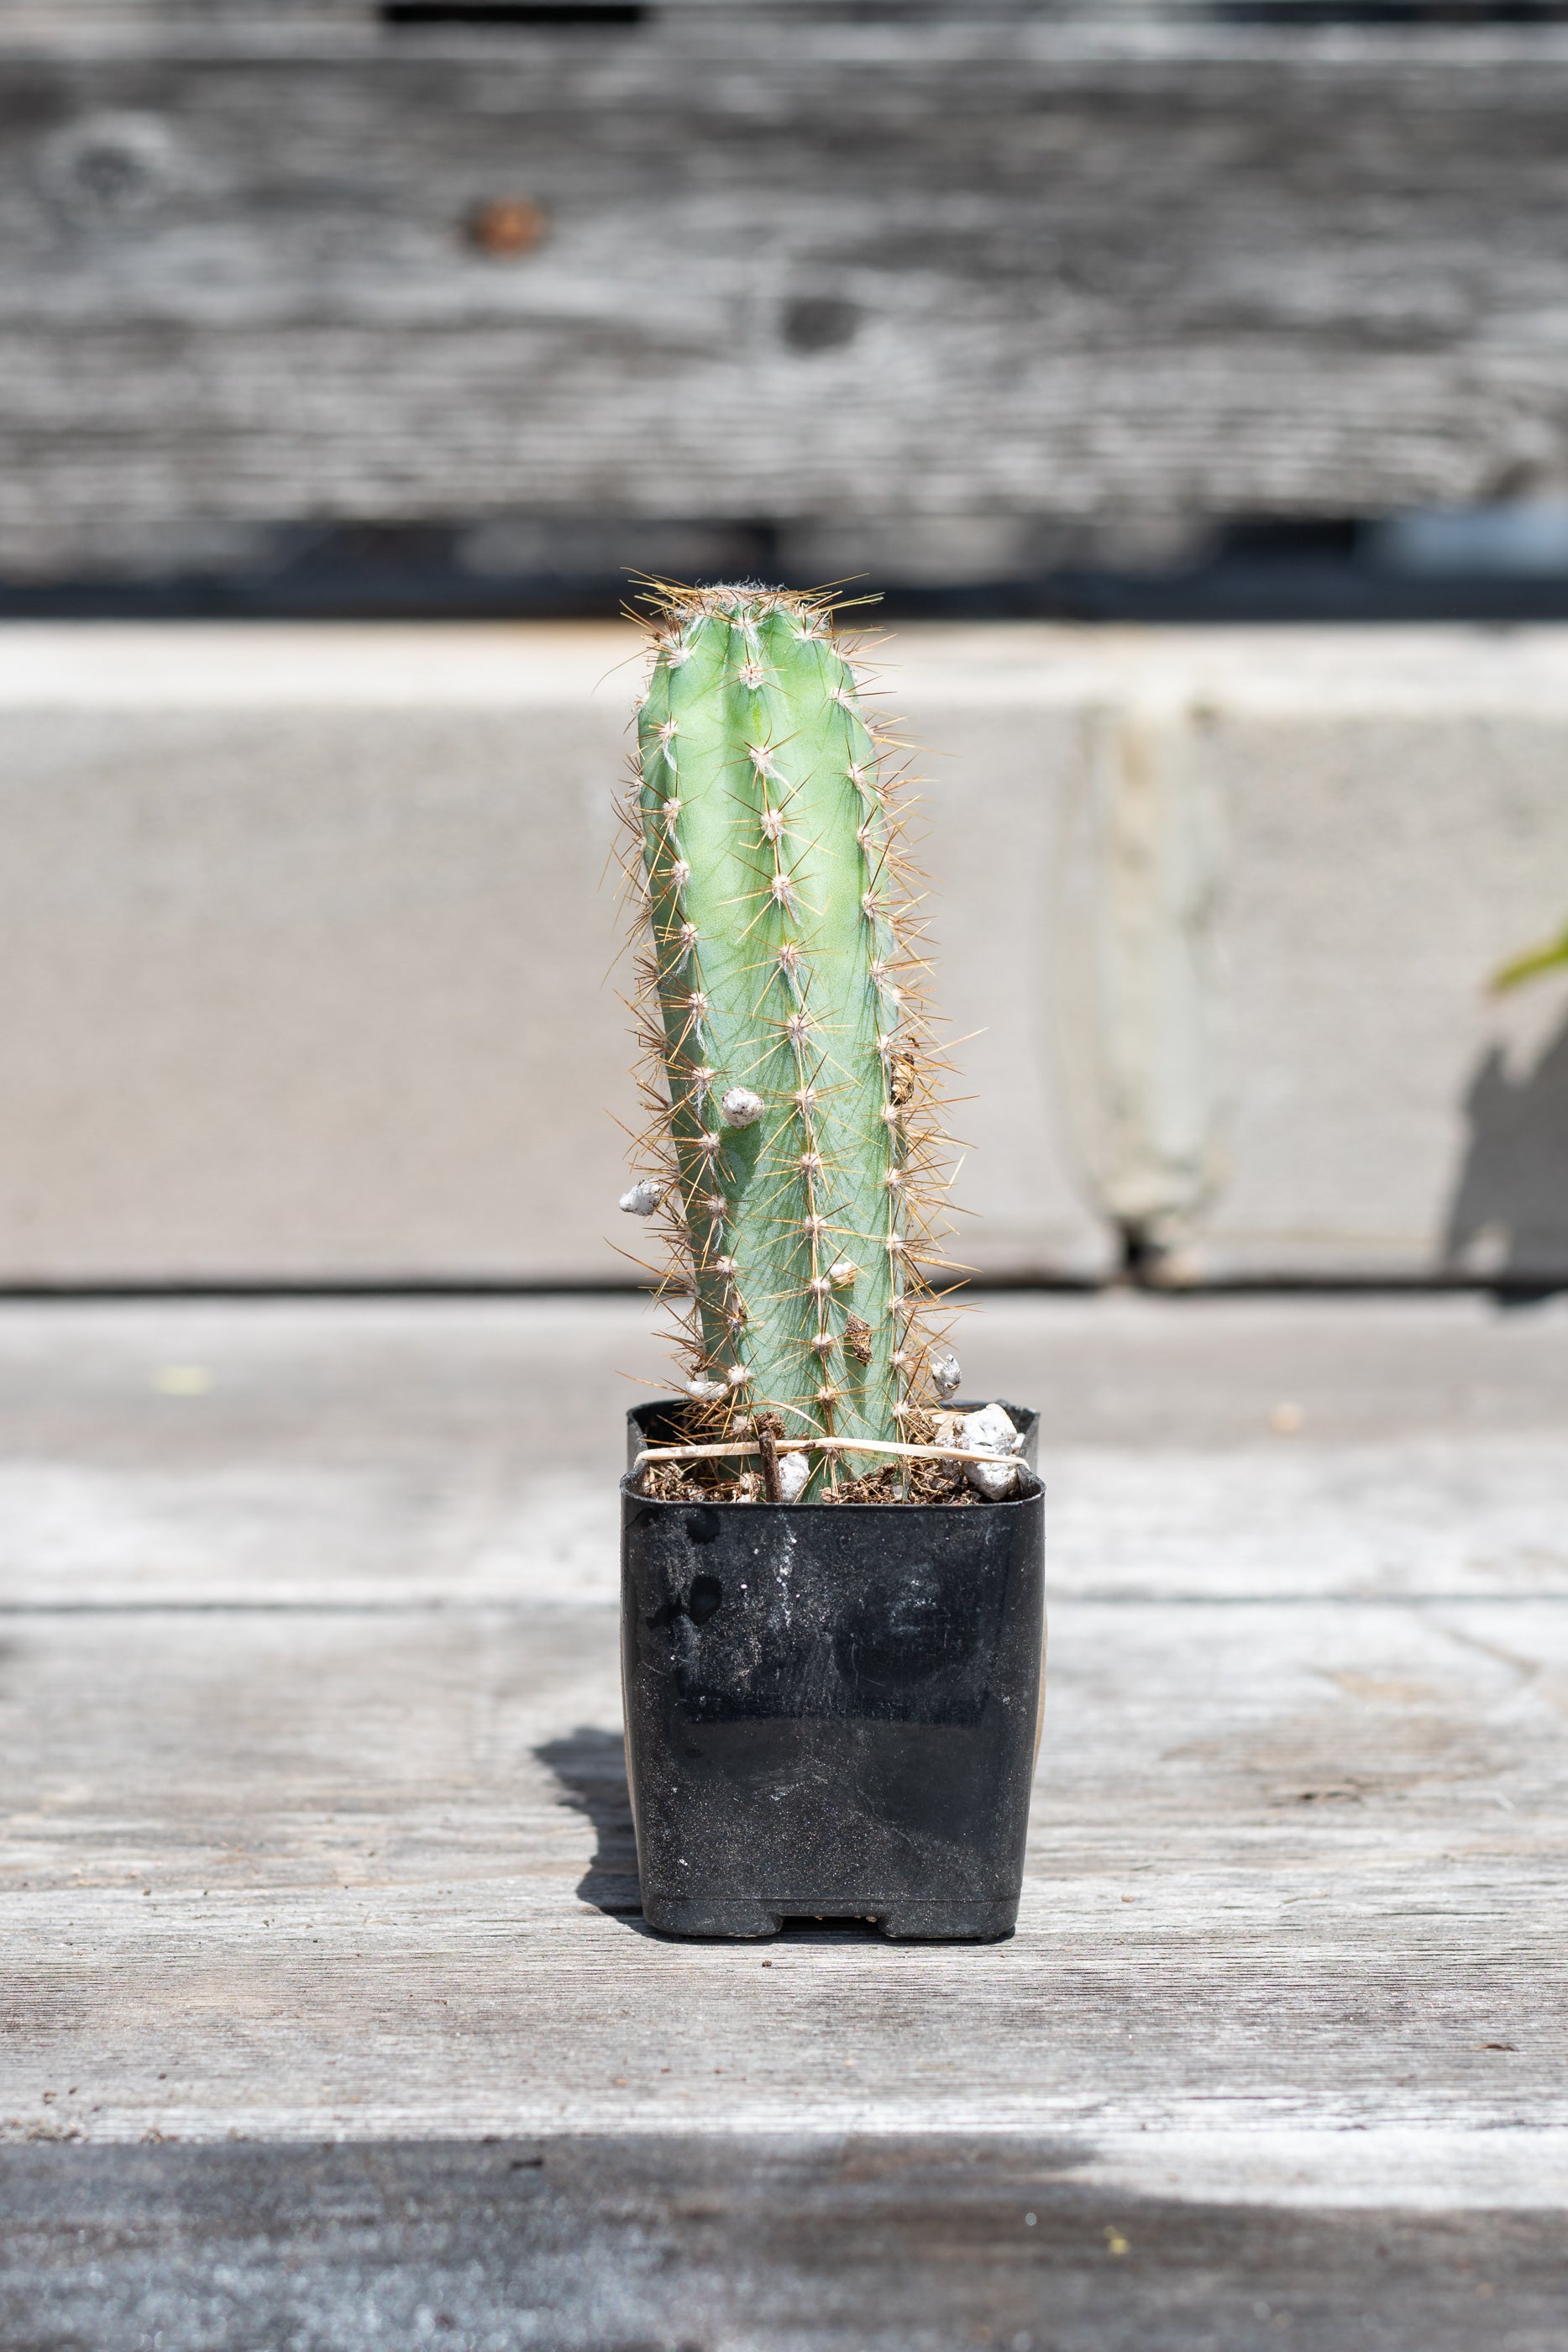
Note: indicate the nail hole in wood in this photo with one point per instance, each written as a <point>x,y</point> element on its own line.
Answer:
<point>505,228</point>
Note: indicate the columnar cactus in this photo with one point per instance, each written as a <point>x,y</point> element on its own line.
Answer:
<point>791,1126</point>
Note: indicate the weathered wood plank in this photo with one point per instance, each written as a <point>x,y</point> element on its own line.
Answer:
<point>466,1452</point>
<point>1294,1874</point>
<point>612,2245</point>
<point>356,1864</point>
<point>930,268</point>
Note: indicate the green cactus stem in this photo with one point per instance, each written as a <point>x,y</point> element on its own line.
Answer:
<point>779,997</point>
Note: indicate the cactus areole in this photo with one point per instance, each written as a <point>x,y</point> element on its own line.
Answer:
<point>792,1139</point>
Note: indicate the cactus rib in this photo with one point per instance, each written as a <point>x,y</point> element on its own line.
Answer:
<point>780,1008</point>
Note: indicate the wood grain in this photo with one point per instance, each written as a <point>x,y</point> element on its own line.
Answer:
<point>336,1847</point>
<point>615,2242</point>
<point>794,269</point>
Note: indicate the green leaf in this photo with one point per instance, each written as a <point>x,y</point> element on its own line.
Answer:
<point>1551,958</point>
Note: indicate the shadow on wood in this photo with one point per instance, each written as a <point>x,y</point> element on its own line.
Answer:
<point>682,2241</point>
<point>591,1766</point>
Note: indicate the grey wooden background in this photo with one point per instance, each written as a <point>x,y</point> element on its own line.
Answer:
<point>1024,266</point>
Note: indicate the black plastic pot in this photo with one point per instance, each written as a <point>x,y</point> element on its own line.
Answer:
<point>830,1709</point>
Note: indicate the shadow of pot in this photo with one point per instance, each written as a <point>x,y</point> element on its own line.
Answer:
<point>832,1710</point>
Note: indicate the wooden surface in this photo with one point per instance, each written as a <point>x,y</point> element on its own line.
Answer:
<point>621,2243</point>
<point>316,1839</point>
<point>799,265</point>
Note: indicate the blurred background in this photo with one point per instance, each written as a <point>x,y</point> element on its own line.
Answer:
<point>1189,379</point>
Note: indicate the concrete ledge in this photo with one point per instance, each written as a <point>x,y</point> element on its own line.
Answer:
<point>303,944</point>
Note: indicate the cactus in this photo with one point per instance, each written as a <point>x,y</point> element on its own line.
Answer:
<point>792,1139</point>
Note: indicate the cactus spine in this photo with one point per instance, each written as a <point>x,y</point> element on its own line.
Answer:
<point>790,1128</point>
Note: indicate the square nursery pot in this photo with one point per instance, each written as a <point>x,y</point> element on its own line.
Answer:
<point>831,1711</point>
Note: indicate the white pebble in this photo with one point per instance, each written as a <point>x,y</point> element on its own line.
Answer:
<point>990,1431</point>
<point>641,1199</point>
<point>794,1469</point>
<point>945,1376</point>
<point>740,1108</point>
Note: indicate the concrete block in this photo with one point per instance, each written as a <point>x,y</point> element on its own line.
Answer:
<point>304,944</point>
<point>308,937</point>
<point>306,955</point>
<point>1397,809</point>
<point>1390,809</point>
